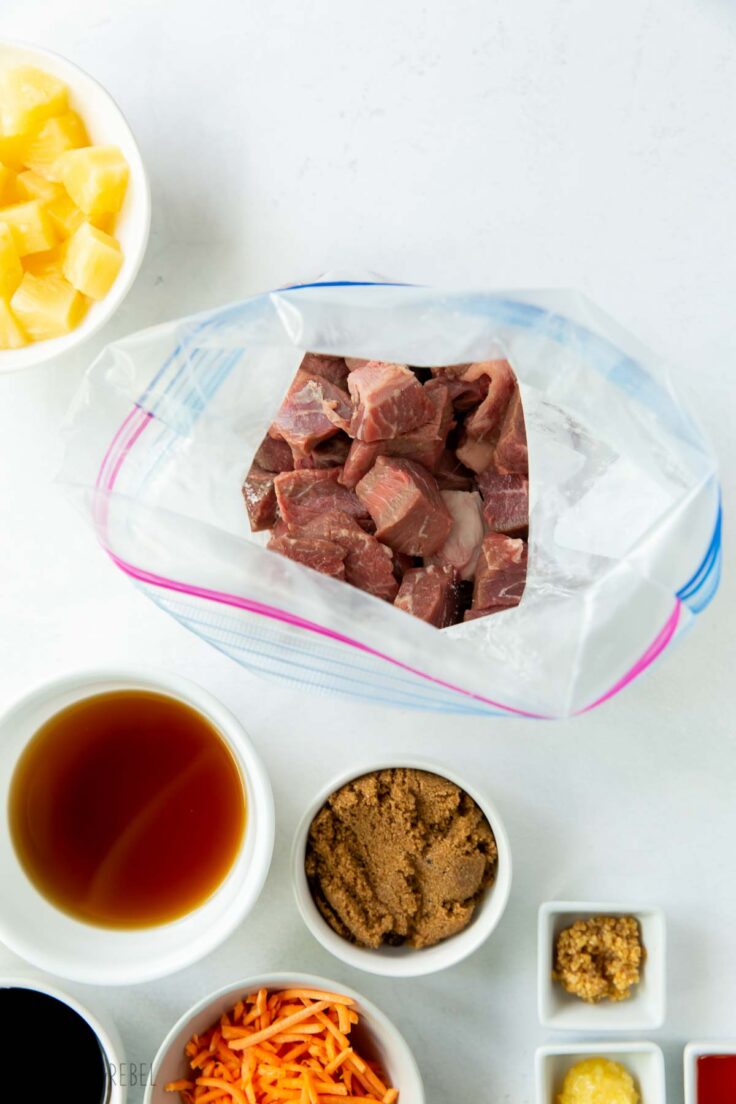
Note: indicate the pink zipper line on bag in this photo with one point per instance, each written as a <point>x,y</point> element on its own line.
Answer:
<point>123,451</point>
<point>657,646</point>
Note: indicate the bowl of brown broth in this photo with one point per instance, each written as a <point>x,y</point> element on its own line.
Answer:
<point>140,825</point>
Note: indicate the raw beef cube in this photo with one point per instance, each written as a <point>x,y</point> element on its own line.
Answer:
<point>313,410</point>
<point>511,453</point>
<point>260,498</point>
<point>368,564</point>
<point>505,501</point>
<point>426,443</point>
<point>330,454</point>
<point>405,502</point>
<point>304,495</point>
<point>462,547</point>
<point>331,368</point>
<point>429,593</point>
<point>322,555</point>
<point>359,462</point>
<point>464,393</point>
<point>476,454</point>
<point>500,573</point>
<point>486,419</point>
<point>355,362</point>
<point>451,474</point>
<point>389,400</point>
<point>274,455</point>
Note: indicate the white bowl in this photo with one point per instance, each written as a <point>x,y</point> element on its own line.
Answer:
<point>105,1031</point>
<point>645,1008</point>
<point>406,961</point>
<point>644,1061</point>
<point>105,125</point>
<point>389,1046</point>
<point>692,1052</point>
<point>44,935</point>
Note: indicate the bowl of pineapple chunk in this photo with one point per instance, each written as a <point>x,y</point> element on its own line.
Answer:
<point>74,206</point>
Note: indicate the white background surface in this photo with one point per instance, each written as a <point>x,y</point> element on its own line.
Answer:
<point>508,144</point>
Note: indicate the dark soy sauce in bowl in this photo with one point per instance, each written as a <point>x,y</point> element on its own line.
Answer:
<point>52,1051</point>
<point>127,809</point>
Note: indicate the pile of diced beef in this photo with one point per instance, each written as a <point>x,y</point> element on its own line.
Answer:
<point>409,483</point>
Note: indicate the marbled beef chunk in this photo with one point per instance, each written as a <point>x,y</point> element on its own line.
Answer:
<point>505,501</point>
<point>331,368</point>
<point>260,498</point>
<point>322,555</point>
<point>485,421</point>
<point>511,453</point>
<point>360,460</point>
<point>429,593</point>
<point>500,574</point>
<point>274,455</point>
<point>304,495</point>
<point>405,502</point>
<point>368,563</point>
<point>313,410</point>
<point>425,444</point>
<point>330,454</point>
<point>389,400</point>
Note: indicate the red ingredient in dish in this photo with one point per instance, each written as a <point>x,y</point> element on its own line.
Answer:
<point>716,1079</point>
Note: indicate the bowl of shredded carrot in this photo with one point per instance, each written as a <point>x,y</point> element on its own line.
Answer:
<point>280,1038</point>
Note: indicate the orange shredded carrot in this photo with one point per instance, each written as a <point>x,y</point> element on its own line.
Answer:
<point>279,1047</point>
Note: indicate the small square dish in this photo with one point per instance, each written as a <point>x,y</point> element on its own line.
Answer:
<point>644,1061</point>
<point>716,1088</point>
<point>562,1011</point>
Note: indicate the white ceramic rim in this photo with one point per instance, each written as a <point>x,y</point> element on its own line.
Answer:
<point>701,1049</point>
<point>424,961</point>
<point>107,1035</point>
<point>597,1018</point>
<point>12,360</point>
<point>602,1048</point>
<point>87,682</point>
<point>283,980</point>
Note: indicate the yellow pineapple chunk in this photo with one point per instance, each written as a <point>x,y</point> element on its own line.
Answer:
<point>31,226</point>
<point>32,186</point>
<point>13,150</point>
<point>104,222</point>
<point>93,260</point>
<point>47,306</point>
<point>50,263</point>
<point>7,183</point>
<point>28,97</point>
<point>95,177</point>
<point>11,334</point>
<point>11,270</point>
<point>55,137</point>
<point>64,215</point>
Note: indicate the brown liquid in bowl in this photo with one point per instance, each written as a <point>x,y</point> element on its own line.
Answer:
<point>127,809</point>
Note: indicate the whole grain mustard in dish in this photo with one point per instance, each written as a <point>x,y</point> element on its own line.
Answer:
<point>600,958</point>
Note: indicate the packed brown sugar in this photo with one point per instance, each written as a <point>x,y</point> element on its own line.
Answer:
<point>399,856</point>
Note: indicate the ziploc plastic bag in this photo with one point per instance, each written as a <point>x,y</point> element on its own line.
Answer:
<point>624,544</point>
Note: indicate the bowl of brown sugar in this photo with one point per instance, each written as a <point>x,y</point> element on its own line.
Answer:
<point>400,868</point>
